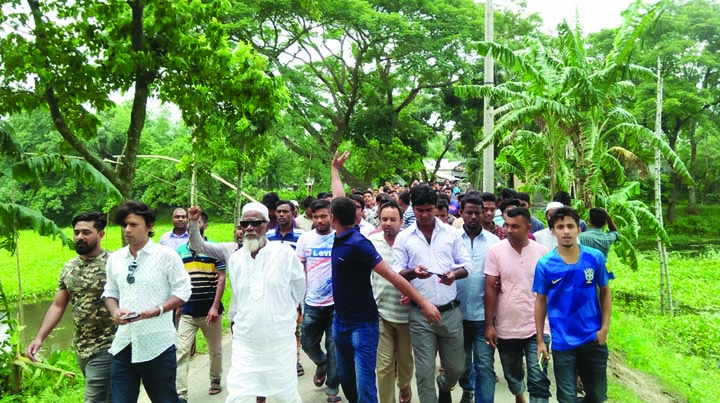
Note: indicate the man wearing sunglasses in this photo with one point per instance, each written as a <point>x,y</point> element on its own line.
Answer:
<point>145,282</point>
<point>268,284</point>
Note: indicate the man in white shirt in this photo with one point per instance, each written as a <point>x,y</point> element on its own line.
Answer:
<point>145,282</point>
<point>545,235</point>
<point>179,234</point>
<point>268,284</point>
<point>431,255</point>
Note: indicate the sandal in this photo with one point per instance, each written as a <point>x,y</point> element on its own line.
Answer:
<point>406,395</point>
<point>334,399</point>
<point>215,387</point>
<point>300,369</point>
<point>320,376</point>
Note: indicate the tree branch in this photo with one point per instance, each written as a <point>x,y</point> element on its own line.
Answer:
<point>415,91</point>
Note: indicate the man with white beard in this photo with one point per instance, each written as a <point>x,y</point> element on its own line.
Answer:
<point>268,283</point>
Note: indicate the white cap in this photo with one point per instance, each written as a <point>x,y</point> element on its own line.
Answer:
<point>257,207</point>
<point>553,205</point>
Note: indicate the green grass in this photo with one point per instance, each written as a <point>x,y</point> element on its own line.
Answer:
<point>621,394</point>
<point>682,351</point>
<point>41,259</point>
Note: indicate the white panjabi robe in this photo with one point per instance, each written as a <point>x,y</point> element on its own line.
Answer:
<point>268,290</point>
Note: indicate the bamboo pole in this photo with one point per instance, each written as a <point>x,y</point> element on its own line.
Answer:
<point>666,303</point>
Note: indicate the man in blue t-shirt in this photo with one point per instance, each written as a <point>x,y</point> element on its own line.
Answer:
<point>355,325</point>
<point>566,282</point>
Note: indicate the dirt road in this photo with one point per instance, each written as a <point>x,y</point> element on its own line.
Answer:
<point>199,382</point>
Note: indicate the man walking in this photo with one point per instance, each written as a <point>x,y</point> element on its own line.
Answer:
<point>545,236</point>
<point>179,234</point>
<point>429,248</point>
<point>355,326</point>
<point>478,380</point>
<point>285,232</point>
<point>202,311</point>
<point>595,237</point>
<point>566,282</point>
<point>509,269</point>
<point>268,284</point>
<point>315,252</point>
<point>145,282</point>
<point>394,353</point>
<point>81,283</point>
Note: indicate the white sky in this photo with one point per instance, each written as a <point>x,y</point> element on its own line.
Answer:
<point>594,15</point>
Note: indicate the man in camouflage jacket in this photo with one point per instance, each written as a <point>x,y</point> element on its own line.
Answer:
<point>82,282</point>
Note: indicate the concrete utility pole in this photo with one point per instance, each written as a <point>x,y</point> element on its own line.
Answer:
<point>488,112</point>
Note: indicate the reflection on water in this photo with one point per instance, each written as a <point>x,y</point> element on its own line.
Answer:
<point>682,247</point>
<point>59,339</point>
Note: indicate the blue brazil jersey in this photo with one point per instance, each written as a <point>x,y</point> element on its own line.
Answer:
<point>573,304</point>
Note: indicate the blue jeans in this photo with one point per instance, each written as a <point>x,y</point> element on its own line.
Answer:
<point>356,345</point>
<point>479,375</point>
<point>590,361</point>
<point>511,353</point>
<point>318,321</point>
<point>157,375</point>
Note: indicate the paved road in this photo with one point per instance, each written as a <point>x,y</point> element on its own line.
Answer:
<point>199,382</point>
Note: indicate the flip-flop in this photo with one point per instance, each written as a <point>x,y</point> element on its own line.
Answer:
<point>300,369</point>
<point>319,381</point>
<point>405,395</point>
<point>215,387</point>
<point>320,376</point>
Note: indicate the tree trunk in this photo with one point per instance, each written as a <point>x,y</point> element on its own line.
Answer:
<point>448,142</point>
<point>674,197</point>
<point>692,191</point>
<point>677,182</point>
<point>239,185</point>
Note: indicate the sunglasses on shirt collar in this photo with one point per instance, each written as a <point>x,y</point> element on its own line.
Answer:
<point>131,273</point>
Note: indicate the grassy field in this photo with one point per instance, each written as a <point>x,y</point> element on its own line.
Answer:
<point>42,259</point>
<point>682,350</point>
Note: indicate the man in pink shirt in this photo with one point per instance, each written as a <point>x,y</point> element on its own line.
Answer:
<point>509,271</point>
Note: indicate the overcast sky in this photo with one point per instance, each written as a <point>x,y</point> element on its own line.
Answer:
<point>594,15</point>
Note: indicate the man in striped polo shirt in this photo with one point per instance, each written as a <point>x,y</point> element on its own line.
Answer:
<point>394,347</point>
<point>202,311</point>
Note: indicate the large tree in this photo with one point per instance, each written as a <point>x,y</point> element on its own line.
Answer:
<point>354,68</point>
<point>74,57</point>
<point>686,37</point>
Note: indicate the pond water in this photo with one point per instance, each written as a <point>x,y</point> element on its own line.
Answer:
<point>59,339</point>
<point>686,248</point>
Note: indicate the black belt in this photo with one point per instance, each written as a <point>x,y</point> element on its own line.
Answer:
<point>444,308</point>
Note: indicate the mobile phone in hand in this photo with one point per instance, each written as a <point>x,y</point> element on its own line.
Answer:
<point>130,316</point>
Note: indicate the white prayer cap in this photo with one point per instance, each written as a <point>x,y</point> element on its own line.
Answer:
<point>256,207</point>
<point>553,205</point>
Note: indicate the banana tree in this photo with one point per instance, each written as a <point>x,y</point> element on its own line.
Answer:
<point>564,122</point>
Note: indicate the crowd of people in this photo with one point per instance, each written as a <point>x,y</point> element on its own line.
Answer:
<point>389,278</point>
